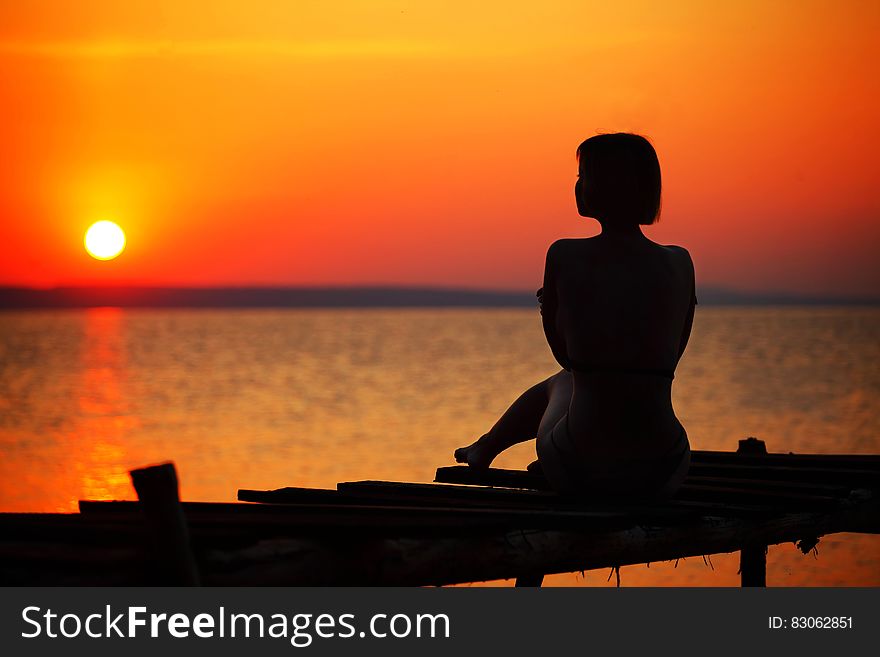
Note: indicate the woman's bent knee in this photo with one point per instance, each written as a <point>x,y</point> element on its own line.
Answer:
<point>561,380</point>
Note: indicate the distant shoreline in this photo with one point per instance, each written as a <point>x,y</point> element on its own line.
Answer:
<point>12,298</point>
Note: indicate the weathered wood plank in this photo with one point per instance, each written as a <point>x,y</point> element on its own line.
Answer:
<point>519,499</point>
<point>416,493</point>
<point>851,461</point>
<point>744,495</point>
<point>771,484</point>
<point>381,492</point>
<point>459,496</point>
<point>844,476</point>
<point>293,494</point>
<point>772,496</point>
<point>397,493</point>
<point>300,518</point>
<point>500,477</point>
<point>853,478</point>
<point>71,528</point>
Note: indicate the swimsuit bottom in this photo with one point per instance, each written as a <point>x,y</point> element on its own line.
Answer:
<point>569,473</point>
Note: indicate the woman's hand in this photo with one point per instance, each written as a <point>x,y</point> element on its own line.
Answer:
<point>540,295</point>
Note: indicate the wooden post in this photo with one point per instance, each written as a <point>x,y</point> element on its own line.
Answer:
<point>752,558</point>
<point>753,565</point>
<point>529,580</point>
<point>157,490</point>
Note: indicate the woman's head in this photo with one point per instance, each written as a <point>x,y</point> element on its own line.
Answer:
<point>619,179</point>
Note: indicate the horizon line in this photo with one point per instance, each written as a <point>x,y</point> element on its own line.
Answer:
<point>352,296</point>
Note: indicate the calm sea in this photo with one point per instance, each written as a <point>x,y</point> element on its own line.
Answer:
<point>273,398</point>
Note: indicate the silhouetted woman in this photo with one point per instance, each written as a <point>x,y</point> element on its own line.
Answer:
<point>617,311</point>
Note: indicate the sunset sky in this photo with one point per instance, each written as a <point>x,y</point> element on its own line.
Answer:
<point>432,142</point>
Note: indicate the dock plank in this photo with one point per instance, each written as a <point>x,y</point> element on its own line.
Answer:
<point>300,518</point>
<point>398,493</point>
<point>844,477</point>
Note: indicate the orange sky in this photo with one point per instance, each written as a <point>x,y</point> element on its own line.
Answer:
<point>432,142</point>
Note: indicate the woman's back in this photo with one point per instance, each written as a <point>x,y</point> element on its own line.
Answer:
<point>622,303</point>
<point>620,307</point>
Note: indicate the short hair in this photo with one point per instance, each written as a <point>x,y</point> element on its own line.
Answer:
<point>622,177</point>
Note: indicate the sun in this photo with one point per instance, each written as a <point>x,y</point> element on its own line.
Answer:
<point>104,240</point>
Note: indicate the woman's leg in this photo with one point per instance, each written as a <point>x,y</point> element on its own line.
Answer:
<point>559,391</point>
<point>550,461</point>
<point>519,423</point>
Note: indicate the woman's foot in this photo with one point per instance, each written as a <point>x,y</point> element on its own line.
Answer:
<point>478,454</point>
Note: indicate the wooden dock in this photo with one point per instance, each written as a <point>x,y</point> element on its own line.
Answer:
<point>467,526</point>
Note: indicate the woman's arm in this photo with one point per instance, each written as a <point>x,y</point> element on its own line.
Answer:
<point>550,305</point>
<point>689,318</point>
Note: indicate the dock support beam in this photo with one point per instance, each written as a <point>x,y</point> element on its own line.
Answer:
<point>753,565</point>
<point>529,580</point>
<point>158,493</point>
<point>752,558</point>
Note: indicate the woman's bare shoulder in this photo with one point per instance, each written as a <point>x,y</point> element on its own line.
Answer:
<point>568,246</point>
<point>675,248</point>
<point>680,253</point>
